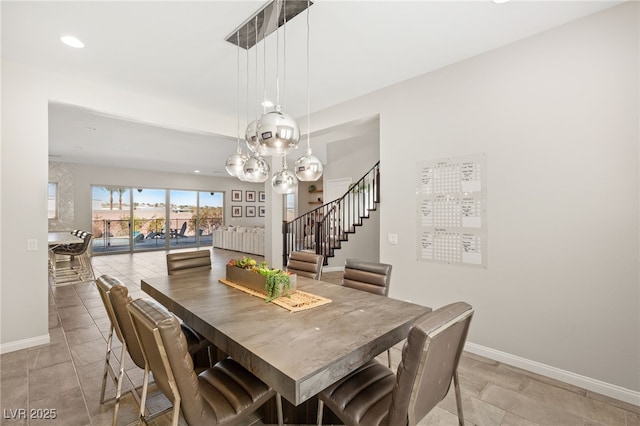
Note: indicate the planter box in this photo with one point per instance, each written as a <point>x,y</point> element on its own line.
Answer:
<point>254,280</point>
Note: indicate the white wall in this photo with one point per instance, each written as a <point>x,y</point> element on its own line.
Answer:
<point>557,115</point>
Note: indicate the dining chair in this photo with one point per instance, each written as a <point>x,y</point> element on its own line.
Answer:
<point>221,395</point>
<point>115,297</point>
<point>84,271</point>
<point>374,396</point>
<point>188,261</point>
<point>305,264</point>
<point>372,277</point>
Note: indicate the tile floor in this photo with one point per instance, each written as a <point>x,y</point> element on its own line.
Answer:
<point>65,375</point>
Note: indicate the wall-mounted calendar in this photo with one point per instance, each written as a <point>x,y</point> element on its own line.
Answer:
<point>451,204</point>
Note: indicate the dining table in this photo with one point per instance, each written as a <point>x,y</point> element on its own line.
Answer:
<point>56,239</point>
<point>297,353</point>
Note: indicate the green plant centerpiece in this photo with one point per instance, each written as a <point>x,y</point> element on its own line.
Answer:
<point>261,277</point>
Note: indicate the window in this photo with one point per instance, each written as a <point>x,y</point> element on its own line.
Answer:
<point>52,200</point>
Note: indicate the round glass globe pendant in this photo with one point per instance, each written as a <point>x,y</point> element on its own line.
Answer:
<point>284,182</point>
<point>235,163</point>
<point>251,136</point>
<point>277,132</point>
<point>256,169</point>
<point>308,168</point>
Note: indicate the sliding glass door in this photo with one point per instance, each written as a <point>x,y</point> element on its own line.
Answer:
<point>139,219</point>
<point>149,218</point>
<point>183,218</point>
<point>111,218</point>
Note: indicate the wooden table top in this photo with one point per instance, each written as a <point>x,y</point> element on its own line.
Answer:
<point>298,354</point>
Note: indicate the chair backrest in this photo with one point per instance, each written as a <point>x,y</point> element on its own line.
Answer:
<point>115,296</point>
<point>75,249</point>
<point>430,358</point>
<point>183,229</point>
<point>188,261</point>
<point>368,276</point>
<point>165,350</point>
<point>305,264</point>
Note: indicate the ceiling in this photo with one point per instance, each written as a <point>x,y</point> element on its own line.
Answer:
<point>176,51</point>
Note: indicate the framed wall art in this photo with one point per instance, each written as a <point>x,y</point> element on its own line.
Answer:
<point>251,211</point>
<point>236,195</point>
<point>250,196</point>
<point>262,210</point>
<point>236,211</point>
<point>262,196</point>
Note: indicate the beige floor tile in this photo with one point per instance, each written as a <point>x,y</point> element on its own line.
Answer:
<point>54,379</point>
<point>69,407</point>
<point>48,355</point>
<point>474,370</point>
<point>14,395</point>
<point>633,419</point>
<point>440,417</point>
<point>511,419</point>
<point>85,334</point>
<point>474,410</point>
<point>529,408</point>
<point>77,321</point>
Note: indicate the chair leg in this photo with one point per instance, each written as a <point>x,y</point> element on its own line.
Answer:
<point>320,408</point>
<point>389,356</point>
<point>143,398</point>
<point>116,409</point>
<point>107,366</point>
<point>279,409</point>
<point>456,385</point>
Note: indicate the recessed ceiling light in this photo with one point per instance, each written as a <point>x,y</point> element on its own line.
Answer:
<point>500,1</point>
<point>267,104</point>
<point>196,171</point>
<point>72,41</point>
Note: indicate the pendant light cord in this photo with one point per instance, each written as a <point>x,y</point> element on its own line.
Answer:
<point>264,72</point>
<point>284,57</point>
<point>238,90</point>
<point>278,53</point>
<point>308,72</point>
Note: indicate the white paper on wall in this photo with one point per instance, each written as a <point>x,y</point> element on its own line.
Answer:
<point>451,210</point>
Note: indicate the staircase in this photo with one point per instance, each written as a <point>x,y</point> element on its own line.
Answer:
<point>323,229</point>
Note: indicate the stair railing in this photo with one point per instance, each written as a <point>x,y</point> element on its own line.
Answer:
<point>324,228</point>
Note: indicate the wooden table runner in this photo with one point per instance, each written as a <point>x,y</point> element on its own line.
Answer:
<point>297,301</point>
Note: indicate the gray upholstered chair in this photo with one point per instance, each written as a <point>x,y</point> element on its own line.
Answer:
<point>305,264</point>
<point>372,277</point>
<point>221,395</point>
<point>115,297</point>
<point>188,261</point>
<point>373,395</point>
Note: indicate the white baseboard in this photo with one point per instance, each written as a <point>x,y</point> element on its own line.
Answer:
<point>24,344</point>
<point>603,388</point>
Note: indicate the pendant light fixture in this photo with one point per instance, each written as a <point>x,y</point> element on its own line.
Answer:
<point>308,168</point>
<point>235,162</point>
<point>275,133</point>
